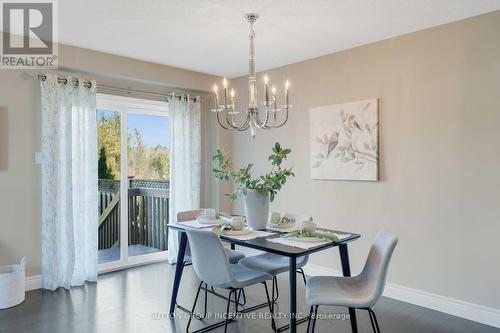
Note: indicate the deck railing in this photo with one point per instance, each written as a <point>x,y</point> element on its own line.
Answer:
<point>147,213</point>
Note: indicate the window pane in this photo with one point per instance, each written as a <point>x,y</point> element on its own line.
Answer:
<point>108,139</point>
<point>149,174</point>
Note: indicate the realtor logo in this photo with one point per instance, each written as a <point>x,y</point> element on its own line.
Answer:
<point>29,34</point>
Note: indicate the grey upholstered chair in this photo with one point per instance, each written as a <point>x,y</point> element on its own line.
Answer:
<point>275,264</point>
<point>207,253</point>
<point>359,292</point>
<point>189,215</point>
<point>234,256</point>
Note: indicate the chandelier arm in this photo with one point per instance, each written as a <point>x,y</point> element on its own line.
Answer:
<point>244,126</point>
<point>284,122</point>
<point>220,123</point>
<point>230,126</point>
<point>259,123</point>
<point>231,121</point>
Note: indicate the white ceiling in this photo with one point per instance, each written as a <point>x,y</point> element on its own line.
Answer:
<point>211,36</point>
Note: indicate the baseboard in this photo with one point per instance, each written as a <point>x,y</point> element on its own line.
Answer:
<point>478,313</point>
<point>33,282</point>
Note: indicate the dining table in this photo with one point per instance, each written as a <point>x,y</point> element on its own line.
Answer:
<point>266,244</point>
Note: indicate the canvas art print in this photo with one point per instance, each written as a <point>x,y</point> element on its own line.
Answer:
<point>344,141</point>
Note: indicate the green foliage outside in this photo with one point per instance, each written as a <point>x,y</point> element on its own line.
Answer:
<point>271,182</point>
<point>144,162</point>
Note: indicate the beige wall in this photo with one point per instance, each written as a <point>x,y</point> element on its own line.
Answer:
<point>439,154</point>
<point>20,211</point>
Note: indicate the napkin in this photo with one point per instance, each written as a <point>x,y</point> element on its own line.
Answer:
<point>326,235</point>
<point>298,244</point>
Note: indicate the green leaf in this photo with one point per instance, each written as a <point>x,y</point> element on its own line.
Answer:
<point>271,182</point>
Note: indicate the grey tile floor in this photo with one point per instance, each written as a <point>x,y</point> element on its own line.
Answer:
<point>136,300</point>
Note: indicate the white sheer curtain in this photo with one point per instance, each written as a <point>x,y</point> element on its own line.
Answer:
<point>69,183</point>
<point>185,162</point>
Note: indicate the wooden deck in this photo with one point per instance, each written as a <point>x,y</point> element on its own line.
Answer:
<point>113,254</point>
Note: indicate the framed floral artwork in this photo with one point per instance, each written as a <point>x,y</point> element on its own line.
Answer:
<point>344,141</point>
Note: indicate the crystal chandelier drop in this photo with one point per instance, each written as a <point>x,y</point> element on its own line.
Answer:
<point>253,118</point>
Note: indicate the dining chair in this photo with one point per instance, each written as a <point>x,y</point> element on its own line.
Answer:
<point>189,215</point>
<point>358,292</point>
<point>275,264</point>
<point>207,253</point>
<point>233,255</point>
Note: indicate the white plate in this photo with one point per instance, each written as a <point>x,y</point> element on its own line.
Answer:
<point>201,220</point>
<point>244,231</point>
<point>307,239</point>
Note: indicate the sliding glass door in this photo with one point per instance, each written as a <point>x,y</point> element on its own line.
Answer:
<point>134,162</point>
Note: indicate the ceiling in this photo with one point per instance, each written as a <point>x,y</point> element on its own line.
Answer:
<point>210,36</point>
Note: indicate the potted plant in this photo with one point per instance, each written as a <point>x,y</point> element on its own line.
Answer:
<point>257,192</point>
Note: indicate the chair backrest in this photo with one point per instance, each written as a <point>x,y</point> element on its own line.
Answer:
<point>375,270</point>
<point>188,215</point>
<point>210,261</point>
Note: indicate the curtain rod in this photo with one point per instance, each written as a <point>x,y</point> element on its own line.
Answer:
<point>88,84</point>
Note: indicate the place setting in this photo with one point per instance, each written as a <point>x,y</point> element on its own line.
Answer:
<point>235,227</point>
<point>283,222</point>
<point>303,234</point>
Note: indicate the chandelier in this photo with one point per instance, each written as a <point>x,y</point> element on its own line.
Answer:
<point>253,116</point>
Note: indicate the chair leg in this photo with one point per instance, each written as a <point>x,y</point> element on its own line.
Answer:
<point>310,318</point>
<point>206,301</point>
<point>242,295</point>
<point>373,320</point>
<point>311,323</point>
<point>301,272</point>
<point>194,307</point>
<point>275,287</point>
<point>237,295</point>
<point>272,294</point>
<point>271,306</point>
<point>227,310</point>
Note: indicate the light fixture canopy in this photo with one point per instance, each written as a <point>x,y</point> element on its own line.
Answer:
<point>253,117</point>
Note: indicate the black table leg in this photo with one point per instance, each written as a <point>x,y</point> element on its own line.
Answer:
<point>179,267</point>
<point>293,294</point>
<point>346,270</point>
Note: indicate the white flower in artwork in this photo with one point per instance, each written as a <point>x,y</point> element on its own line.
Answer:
<point>344,141</point>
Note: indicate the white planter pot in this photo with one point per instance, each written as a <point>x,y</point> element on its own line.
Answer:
<point>12,285</point>
<point>256,209</point>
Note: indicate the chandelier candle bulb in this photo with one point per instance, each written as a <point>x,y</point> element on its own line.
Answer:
<point>266,81</point>
<point>216,89</point>
<point>224,83</point>
<point>274,98</point>
<point>287,85</point>
<point>232,99</point>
